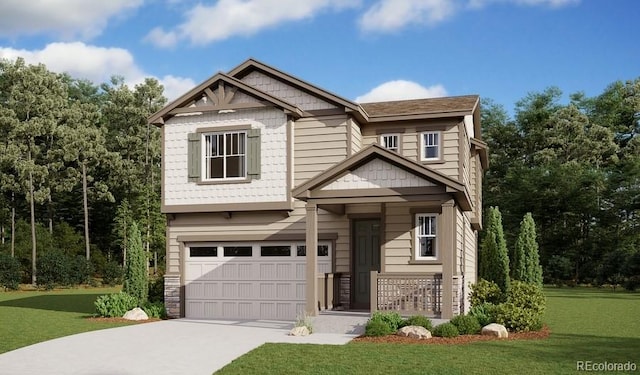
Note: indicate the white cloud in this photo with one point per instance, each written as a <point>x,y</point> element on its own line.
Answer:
<point>96,64</point>
<point>174,86</point>
<point>401,90</point>
<point>549,3</point>
<point>66,18</point>
<point>391,15</point>
<point>227,18</point>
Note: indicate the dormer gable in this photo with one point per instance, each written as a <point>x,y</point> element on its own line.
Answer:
<point>222,93</point>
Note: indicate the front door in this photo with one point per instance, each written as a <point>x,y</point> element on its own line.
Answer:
<point>366,258</point>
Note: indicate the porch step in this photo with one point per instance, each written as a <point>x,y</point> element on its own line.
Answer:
<point>345,322</point>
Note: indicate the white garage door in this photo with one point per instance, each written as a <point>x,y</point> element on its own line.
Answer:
<point>263,280</point>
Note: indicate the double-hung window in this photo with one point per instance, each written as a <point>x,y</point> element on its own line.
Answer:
<point>425,232</point>
<point>430,144</point>
<point>225,155</point>
<point>390,142</point>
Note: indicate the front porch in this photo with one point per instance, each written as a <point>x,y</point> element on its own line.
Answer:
<point>408,238</point>
<point>407,294</point>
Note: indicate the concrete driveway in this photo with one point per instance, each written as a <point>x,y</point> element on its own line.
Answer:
<point>168,347</point>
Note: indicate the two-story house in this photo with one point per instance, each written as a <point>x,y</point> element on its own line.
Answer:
<point>259,166</point>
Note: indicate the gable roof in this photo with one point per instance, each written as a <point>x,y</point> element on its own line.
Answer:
<point>371,152</point>
<point>421,108</point>
<point>206,89</point>
<point>252,65</point>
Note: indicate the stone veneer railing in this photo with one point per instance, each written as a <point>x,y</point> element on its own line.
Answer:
<point>408,294</point>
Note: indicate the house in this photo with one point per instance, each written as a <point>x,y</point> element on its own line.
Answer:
<point>259,166</point>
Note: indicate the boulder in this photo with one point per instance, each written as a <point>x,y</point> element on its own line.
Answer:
<point>136,314</point>
<point>495,329</point>
<point>416,332</point>
<point>299,331</point>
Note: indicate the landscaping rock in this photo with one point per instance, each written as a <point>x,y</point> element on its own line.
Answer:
<point>136,314</point>
<point>417,332</point>
<point>495,329</point>
<point>299,331</point>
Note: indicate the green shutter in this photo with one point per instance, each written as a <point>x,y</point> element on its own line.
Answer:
<point>194,156</point>
<point>253,154</point>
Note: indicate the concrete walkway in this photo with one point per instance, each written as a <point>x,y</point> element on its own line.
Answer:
<point>163,348</point>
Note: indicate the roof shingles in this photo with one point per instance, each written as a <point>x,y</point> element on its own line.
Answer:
<point>421,106</point>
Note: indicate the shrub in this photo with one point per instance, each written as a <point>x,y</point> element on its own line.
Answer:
<point>485,313</point>
<point>304,320</point>
<point>485,292</point>
<point>391,318</point>
<point>80,270</point>
<point>518,319</point>
<point>527,296</point>
<point>112,274</point>
<point>445,330</point>
<point>632,283</point>
<point>418,320</point>
<point>377,328</point>
<point>52,269</point>
<point>9,271</point>
<point>466,324</point>
<point>115,305</point>
<point>156,289</point>
<point>136,277</point>
<point>155,310</point>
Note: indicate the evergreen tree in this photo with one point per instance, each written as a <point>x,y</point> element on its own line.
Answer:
<point>517,261</point>
<point>527,245</point>
<point>494,261</point>
<point>136,276</point>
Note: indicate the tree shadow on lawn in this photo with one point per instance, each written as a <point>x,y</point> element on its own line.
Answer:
<point>569,348</point>
<point>77,303</point>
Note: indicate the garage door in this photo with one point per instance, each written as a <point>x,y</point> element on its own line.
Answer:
<point>263,280</point>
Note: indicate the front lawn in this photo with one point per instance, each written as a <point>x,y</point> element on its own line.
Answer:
<point>30,317</point>
<point>586,325</point>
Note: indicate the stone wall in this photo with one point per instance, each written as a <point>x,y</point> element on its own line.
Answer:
<point>458,300</point>
<point>345,291</point>
<point>172,295</point>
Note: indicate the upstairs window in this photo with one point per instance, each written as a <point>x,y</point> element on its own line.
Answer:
<point>390,142</point>
<point>430,146</point>
<point>225,155</point>
<point>230,154</point>
<point>426,228</point>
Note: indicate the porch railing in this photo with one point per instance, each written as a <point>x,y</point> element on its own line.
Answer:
<point>419,293</point>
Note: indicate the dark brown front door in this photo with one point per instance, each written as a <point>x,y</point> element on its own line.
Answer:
<point>366,258</point>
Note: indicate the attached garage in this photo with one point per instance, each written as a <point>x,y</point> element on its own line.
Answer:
<point>263,280</point>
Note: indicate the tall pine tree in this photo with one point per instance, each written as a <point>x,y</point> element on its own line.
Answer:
<point>135,278</point>
<point>529,268</point>
<point>494,261</point>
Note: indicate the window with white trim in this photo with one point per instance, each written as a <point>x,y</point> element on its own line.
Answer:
<point>225,155</point>
<point>430,145</point>
<point>425,232</point>
<point>390,142</point>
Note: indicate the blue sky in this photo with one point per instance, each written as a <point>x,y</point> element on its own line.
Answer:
<point>365,50</point>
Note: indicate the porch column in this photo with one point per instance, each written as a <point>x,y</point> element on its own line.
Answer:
<point>448,257</point>
<point>312,263</point>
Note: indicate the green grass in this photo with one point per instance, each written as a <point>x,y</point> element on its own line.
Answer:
<point>30,317</point>
<point>586,324</point>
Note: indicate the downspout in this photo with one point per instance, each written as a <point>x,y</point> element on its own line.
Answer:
<point>463,264</point>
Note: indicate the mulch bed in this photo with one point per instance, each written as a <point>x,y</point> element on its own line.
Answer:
<point>462,339</point>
